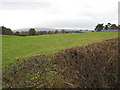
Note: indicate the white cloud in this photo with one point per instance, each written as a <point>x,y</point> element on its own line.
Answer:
<point>57,13</point>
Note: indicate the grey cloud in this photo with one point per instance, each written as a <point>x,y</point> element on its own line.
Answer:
<point>23,5</point>
<point>72,24</point>
<point>105,16</point>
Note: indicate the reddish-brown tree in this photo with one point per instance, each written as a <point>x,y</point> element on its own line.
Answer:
<point>32,31</point>
<point>9,31</point>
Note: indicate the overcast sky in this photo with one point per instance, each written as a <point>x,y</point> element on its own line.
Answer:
<point>84,14</point>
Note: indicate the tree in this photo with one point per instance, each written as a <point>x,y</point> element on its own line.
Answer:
<point>99,27</point>
<point>113,26</point>
<point>77,31</point>
<point>118,27</point>
<point>63,31</point>
<point>109,25</point>
<point>9,31</point>
<point>106,27</point>
<point>56,31</point>
<point>40,33</point>
<point>6,31</point>
<point>50,32</point>
<point>17,33</point>
<point>44,32</point>
<point>32,31</point>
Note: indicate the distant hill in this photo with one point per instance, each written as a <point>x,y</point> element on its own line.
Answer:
<point>37,29</point>
<point>50,29</point>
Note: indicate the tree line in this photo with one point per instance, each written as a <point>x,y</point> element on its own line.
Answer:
<point>99,27</point>
<point>32,31</point>
<point>108,26</point>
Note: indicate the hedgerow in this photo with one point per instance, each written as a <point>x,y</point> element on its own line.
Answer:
<point>94,65</point>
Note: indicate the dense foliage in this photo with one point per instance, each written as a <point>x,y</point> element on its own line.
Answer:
<point>93,66</point>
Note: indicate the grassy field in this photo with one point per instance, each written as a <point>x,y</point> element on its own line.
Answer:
<point>20,47</point>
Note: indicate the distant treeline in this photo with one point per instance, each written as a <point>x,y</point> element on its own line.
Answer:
<point>32,31</point>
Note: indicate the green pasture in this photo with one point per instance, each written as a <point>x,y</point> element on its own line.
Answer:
<point>21,47</point>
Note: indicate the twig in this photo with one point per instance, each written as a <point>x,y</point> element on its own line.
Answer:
<point>70,84</point>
